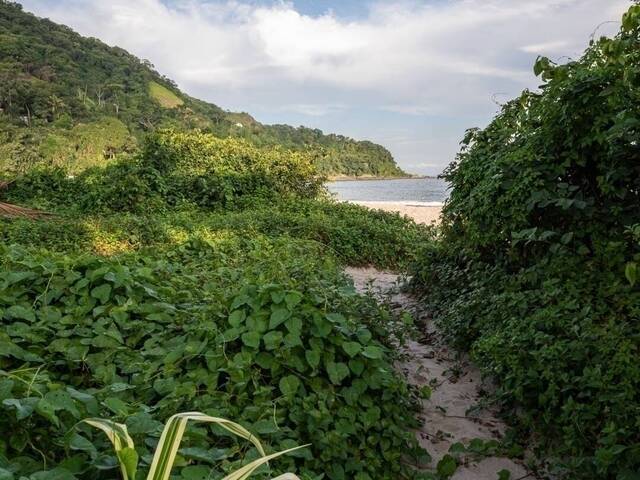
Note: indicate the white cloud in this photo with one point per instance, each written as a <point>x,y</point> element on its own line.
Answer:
<point>547,47</point>
<point>314,109</point>
<point>410,109</point>
<point>408,57</point>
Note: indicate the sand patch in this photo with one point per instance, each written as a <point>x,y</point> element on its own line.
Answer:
<point>420,212</point>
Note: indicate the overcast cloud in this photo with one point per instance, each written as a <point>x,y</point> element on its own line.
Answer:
<point>412,75</point>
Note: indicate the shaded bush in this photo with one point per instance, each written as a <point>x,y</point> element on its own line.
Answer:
<point>536,268</point>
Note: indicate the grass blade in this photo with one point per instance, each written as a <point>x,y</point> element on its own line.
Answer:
<point>172,435</point>
<point>122,444</point>
<point>246,471</point>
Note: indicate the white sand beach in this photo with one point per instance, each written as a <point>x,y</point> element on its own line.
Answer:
<point>422,212</point>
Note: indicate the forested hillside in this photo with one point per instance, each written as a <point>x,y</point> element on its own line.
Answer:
<point>74,102</point>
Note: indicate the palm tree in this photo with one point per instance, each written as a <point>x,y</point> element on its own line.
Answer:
<point>8,210</point>
<point>56,105</point>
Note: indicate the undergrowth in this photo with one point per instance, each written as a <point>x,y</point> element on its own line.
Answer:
<point>205,275</point>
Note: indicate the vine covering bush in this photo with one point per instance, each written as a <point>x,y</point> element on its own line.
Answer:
<point>267,332</point>
<point>203,274</point>
<point>536,268</point>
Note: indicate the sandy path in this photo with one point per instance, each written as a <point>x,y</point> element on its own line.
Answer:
<point>421,212</point>
<point>455,382</point>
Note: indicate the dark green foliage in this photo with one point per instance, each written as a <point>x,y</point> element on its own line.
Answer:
<point>538,233</point>
<point>75,102</point>
<point>334,154</point>
<point>269,333</point>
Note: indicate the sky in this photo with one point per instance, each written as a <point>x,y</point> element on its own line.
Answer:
<point>412,75</point>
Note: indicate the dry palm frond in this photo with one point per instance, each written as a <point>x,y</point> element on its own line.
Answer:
<point>13,211</point>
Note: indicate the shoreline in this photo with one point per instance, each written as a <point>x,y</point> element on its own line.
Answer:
<point>365,178</point>
<point>427,213</point>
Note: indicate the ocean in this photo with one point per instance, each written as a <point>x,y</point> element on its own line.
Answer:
<point>420,191</point>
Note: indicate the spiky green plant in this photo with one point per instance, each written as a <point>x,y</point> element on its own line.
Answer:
<point>169,443</point>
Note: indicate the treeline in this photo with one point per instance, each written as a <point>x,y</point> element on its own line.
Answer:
<point>74,101</point>
<point>536,271</point>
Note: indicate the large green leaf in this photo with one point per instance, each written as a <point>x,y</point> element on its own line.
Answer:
<point>289,385</point>
<point>337,372</point>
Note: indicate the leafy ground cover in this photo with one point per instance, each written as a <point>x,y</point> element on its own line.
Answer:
<point>268,333</point>
<point>195,184</point>
<point>536,270</point>
<point>351,233</point>
<point>139,299</point>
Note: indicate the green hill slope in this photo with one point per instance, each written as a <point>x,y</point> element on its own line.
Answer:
<point>74,101</point>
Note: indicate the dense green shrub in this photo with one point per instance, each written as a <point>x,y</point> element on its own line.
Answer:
<point>174,168</point>
<point>267,332</point>
<point>206,170</point>
<point>536,268</point>
<point>354,234</point>
<point>123,186</point>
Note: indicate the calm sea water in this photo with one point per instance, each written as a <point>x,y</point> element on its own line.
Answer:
<point>422,190</point>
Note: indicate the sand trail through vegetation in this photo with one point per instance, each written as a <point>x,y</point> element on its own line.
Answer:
<point>452,413</point>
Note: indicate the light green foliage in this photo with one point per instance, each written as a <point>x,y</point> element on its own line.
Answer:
<point>535,269</point>
<point>86,145</point>
<point>75,149</point>
<point>206,170</point>
<point>164,96</point>
<point>355,235</point>
<point>175,169</point>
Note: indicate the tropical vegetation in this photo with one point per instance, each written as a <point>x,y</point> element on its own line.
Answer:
<point>166,260</point>
<point>200,274</point>
<point>536,268</point>
<point>74,102</point>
